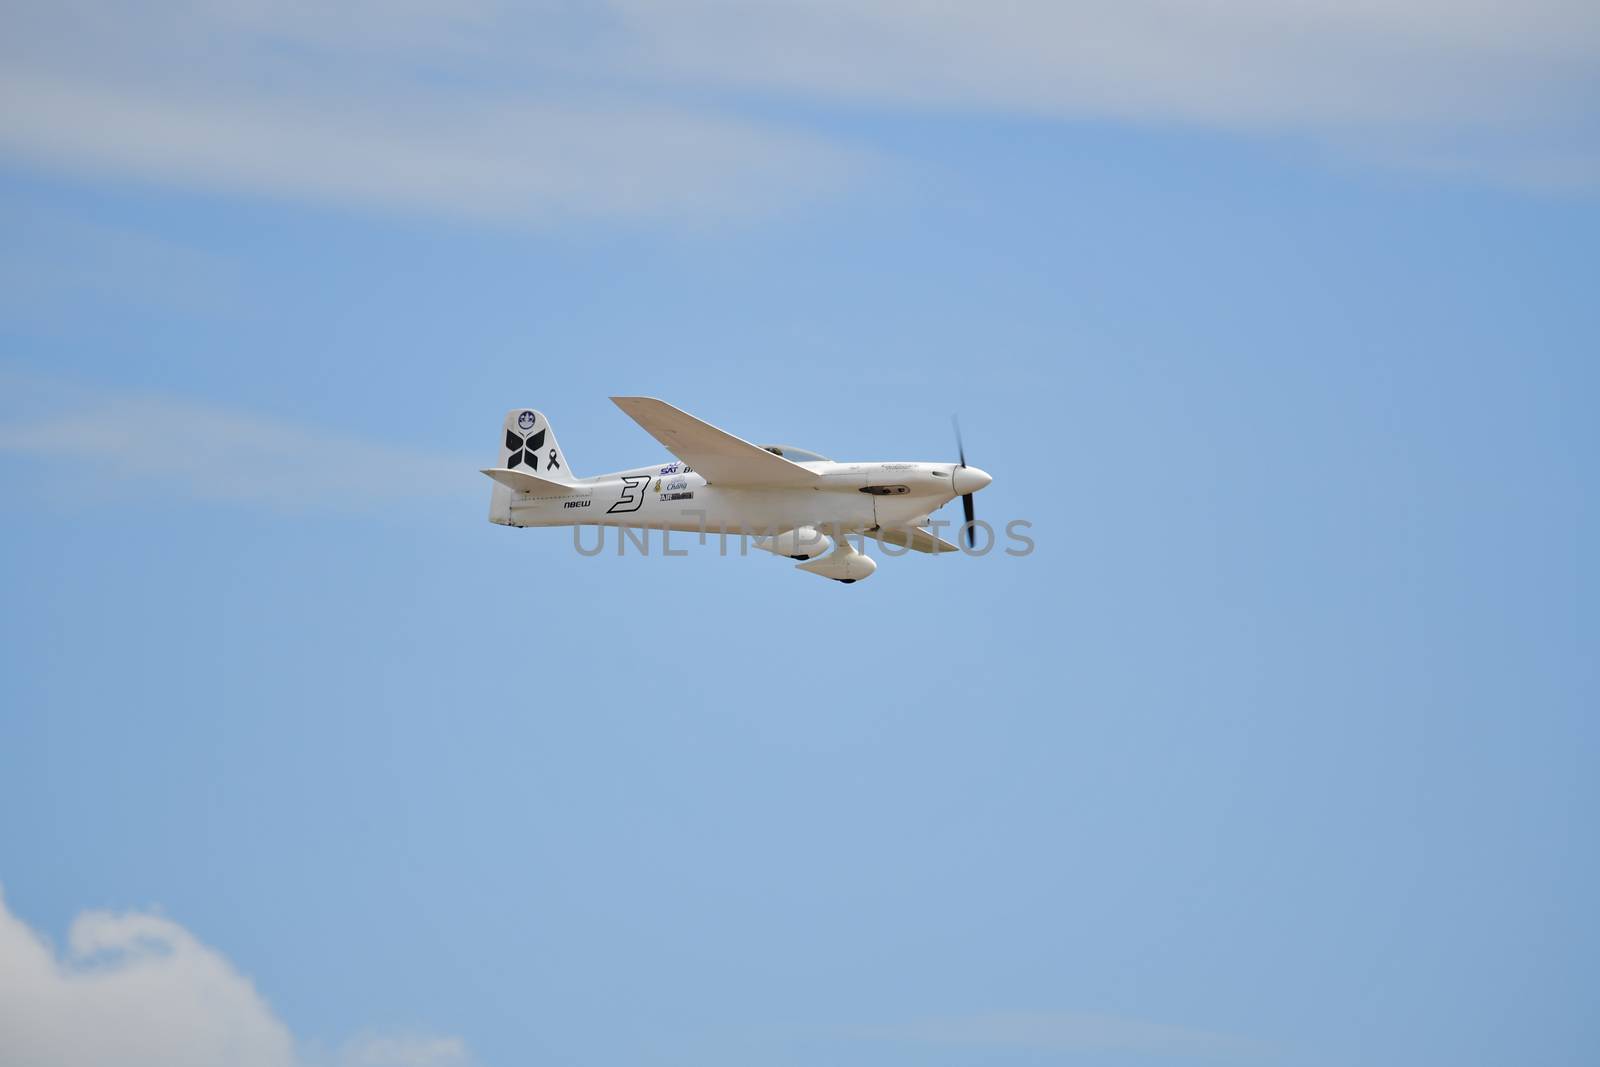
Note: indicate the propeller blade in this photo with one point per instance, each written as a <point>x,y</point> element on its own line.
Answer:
<point>960,448</point>
<point>972,531</point>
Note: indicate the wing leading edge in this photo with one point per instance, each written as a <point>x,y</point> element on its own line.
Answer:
<point>914,538</point>
<point>720,457</point>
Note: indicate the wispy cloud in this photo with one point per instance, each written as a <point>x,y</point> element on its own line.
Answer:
<point>1071,1032</point>
<point>1361,78</point>
<point>1239,63</point>
<point>374,1050</point>
<point>477,109</point>
<point>444,151</point>
<point>55,260</point>
<point>139,990</point>
<point>628,109</point>
<point>166,444</point>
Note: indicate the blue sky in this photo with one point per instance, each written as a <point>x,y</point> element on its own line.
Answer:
<point>1279,329</point>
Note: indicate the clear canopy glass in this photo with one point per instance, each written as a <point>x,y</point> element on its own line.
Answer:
<point>795,455</point>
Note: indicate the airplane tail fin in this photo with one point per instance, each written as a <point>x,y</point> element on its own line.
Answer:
<point>530,444</point>
<point>527,445</point>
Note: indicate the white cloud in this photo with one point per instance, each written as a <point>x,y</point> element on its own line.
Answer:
<point>1071,1032</point>
<point>138,990</point>
<point>1240,63</point>
<point>444,152</point>
<point>201,450</point>
<point>534,112</point>
<point>1512,89</point>
<point>131,990</point>
<point>471,110</point>
<point>373,1051</point>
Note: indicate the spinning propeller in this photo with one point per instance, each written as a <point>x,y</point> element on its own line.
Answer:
<point>967,480</point>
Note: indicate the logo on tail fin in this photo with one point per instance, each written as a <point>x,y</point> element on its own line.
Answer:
<point>525,421</point>
<point>526,449</point>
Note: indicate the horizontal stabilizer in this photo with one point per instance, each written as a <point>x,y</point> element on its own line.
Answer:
<point>523,482</point>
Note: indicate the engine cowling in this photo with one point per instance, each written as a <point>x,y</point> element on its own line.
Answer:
<point>802,542</point>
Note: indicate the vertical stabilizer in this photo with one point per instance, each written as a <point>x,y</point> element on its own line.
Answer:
<point>528,444</point>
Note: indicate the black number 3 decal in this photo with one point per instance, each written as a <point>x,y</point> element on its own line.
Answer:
<point>632,494</point>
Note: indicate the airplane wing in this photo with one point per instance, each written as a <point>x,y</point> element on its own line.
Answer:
<point>913,538</point>
<point>720,457</point>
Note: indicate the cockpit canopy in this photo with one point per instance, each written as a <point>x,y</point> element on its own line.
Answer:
<point>795,455</point>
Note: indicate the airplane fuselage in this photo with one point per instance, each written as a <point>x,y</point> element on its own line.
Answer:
<point>849,497</point>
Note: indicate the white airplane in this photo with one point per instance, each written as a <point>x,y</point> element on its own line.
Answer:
<point>721,484</point>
